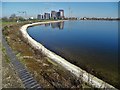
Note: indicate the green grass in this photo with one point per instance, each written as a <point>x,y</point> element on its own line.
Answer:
<point>53,63</point>
<point>5,55</point>
<point>8,23</point>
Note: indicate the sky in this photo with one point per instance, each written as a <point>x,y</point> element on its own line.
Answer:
<point>60,0</point>
<point>76,9</point>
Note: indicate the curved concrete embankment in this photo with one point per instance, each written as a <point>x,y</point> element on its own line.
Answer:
<point>78,72</point>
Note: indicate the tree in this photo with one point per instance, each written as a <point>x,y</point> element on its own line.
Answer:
<point>5,19</point>
<point>13,16</point>
<point>21,19</point>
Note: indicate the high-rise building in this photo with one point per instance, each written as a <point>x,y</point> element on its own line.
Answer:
<point>58,15</point>
<point>42,16</point>
<point>61,13</point>
<point>39,16</point>
<point>46,15</point>
<point>54,14</point>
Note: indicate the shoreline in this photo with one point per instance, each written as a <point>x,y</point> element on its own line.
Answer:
<point>78,72</point>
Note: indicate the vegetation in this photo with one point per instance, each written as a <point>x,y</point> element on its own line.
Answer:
<point>13,21</point>
<point>5,55</point>
<point>47,73</point>
<point>7,23</point>
<point>94,18</point>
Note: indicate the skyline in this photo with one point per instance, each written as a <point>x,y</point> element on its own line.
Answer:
<point>72,9</point>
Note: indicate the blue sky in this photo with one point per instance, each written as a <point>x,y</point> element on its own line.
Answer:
<point>60,0</point>
<point>77,9</point>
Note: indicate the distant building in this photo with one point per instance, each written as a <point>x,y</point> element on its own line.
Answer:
<point>42,16</point>
<point>54,14</point>
<point>84,18</point>
<point>47,16</point>
<point>58,15</point>
<point>61,13</point>
<point>39,17</point>
<point>31,17</point>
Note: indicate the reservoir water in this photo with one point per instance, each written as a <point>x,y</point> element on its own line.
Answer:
<point>91,45</point>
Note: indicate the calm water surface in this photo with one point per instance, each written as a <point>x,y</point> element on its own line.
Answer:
<point>91,45</point>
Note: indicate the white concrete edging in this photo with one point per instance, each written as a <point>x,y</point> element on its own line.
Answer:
<point>77,71</point>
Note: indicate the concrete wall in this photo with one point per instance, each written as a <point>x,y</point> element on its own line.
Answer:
<point>78,72</point>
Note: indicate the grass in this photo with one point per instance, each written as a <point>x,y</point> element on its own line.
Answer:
<point>5,23</point>
<point>53,63</point>
<point>8,23</point>
<point>2,48</point>
<point>5,54</point>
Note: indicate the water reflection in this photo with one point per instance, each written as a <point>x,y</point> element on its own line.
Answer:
<point>47,24</point>
<point>91,45</point>
<point>59,25</point>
